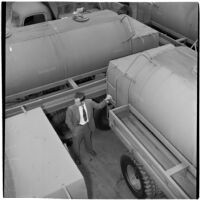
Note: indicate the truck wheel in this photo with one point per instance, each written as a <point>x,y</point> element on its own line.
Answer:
<point>136,178</point>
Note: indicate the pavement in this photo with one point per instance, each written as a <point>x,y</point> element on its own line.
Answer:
<point>102,173</point>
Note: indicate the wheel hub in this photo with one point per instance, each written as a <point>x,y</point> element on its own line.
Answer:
<point>133,179</point>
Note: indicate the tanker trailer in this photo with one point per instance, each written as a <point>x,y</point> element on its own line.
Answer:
<point>181,19</point>
<point>178,19</point>
<point>36,164</point>
<point>52,51</point>
<point>155,93</point>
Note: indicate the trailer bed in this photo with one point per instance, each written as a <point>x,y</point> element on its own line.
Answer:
<point>174,174</point>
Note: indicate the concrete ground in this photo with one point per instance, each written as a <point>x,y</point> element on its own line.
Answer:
<point>102,173</point>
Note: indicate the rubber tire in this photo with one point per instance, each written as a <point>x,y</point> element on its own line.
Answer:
<point>148,189</point>
<point>101,119</point>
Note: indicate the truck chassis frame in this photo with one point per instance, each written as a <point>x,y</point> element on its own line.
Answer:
<point>64,97</point>
<point>61,99</point>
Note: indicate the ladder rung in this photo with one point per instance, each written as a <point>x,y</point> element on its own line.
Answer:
<point>176,169</point>
<point>181,40</point>
<point>72,83</point>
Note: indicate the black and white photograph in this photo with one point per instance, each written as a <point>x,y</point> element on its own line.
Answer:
<point>100,99</point>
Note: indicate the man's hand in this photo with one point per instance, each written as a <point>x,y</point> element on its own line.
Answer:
<point>108,98</point>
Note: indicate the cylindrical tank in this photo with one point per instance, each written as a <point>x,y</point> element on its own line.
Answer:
<point>48,52</point>
<point>162,85</point>
<point>181,17</point>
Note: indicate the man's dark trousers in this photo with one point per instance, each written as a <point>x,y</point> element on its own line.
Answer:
<point>82,132</point>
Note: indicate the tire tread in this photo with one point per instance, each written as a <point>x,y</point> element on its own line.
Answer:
<point>149,187</point>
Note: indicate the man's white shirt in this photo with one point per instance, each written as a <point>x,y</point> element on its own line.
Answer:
<point>82,121</point>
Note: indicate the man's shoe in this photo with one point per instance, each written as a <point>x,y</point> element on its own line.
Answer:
<point>93,153</point>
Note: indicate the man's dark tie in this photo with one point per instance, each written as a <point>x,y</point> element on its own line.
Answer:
<point>84,114</point>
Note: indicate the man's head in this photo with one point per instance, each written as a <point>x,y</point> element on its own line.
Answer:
<point>79,97</point>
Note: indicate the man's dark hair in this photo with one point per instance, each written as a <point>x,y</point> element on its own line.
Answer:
<point>80,95</point>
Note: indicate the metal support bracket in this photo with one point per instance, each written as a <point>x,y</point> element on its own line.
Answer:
<point>177,169</point>
<point>23,109</point>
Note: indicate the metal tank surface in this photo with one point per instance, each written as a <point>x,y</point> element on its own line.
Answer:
<point>161,84</point>
<point>37,165</point>
<point>52,51</point>
<point>179,17</point>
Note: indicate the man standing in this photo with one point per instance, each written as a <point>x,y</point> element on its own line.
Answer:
<point>80,120</point>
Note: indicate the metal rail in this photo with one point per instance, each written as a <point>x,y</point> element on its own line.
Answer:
<point>64,98</point>
<point>165,39</point>
<point>178,179</point>
<point>55,84</point>
<point>173,33</point>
